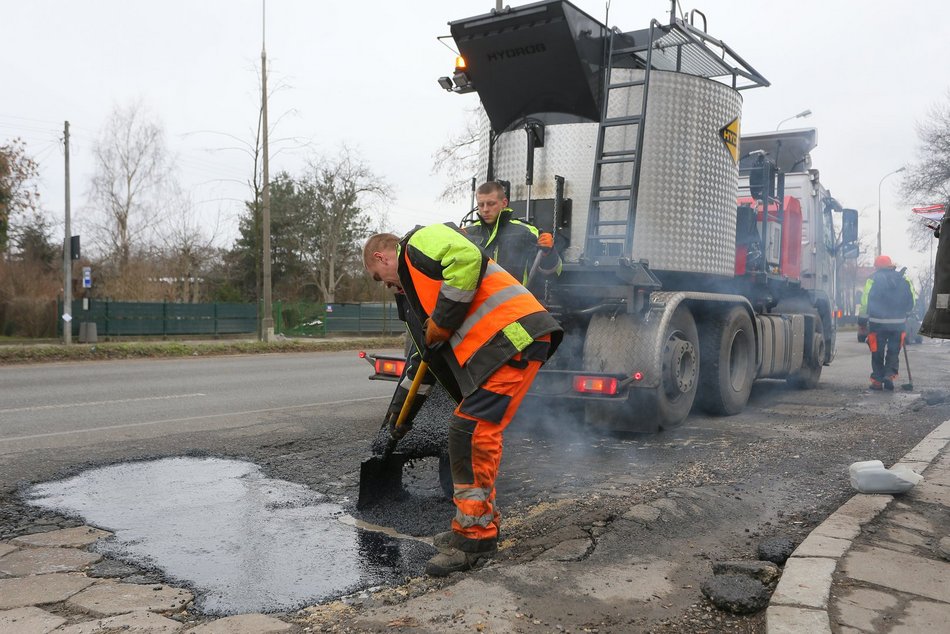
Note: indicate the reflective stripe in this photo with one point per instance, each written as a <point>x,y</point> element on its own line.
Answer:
<point>491,302</point>
<point>465,521</point>
<point>472,493</point>
<point>456,294</point>
<point>881,320</point>
<point>493,267</point>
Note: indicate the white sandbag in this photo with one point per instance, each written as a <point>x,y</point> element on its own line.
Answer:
<point>870,476</point>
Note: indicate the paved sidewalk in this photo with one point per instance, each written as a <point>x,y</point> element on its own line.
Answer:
<point>52,570</point>
<point>880,563</point>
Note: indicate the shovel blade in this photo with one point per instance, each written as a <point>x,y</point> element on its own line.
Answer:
<point>380,479</point>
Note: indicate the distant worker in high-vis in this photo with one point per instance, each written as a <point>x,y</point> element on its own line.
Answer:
<point>888,297</point>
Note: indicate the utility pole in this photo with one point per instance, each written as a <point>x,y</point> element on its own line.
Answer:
<point>267,322</point>
<point>67,257</point>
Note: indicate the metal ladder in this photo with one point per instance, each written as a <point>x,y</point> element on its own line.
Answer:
<point>608,240</point>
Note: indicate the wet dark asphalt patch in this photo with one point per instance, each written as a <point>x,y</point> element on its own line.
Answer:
<point>244,542</point>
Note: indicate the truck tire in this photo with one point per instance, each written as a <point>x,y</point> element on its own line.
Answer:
<point>807,377</point>
<point>608,348</point>
<point>727,362</point>
<point>862,337</point>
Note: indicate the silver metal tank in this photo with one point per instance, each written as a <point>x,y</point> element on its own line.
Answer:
<point>686,211</point>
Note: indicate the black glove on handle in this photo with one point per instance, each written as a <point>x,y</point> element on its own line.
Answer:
<point>392,414</point>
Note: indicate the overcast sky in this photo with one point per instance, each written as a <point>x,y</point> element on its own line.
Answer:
<point>363,73</point>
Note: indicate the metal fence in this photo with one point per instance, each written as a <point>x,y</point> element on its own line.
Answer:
<point>162,319</point>
<point>295,319</point>
<point>367,317</point>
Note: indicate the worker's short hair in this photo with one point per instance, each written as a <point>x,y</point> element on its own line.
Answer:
<point>379,242</point>
<point>491,187</point>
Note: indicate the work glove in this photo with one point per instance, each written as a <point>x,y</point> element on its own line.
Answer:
<point>436,334</point>
<point>546,242</point>
<point>392,415</point>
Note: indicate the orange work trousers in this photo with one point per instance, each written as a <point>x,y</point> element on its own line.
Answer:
<point>475,446</point>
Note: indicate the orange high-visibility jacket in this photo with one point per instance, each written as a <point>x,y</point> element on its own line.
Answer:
<point>492,316</point>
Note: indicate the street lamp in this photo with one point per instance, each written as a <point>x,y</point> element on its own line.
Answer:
<point>899,169</point>
<point>800,115</point>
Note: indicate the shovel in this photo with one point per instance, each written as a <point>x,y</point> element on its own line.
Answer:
<point>381,476</point>
<point>907,387</point>
<point>534,268</point>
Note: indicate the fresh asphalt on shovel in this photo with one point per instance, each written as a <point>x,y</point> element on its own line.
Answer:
<point>381,476</point>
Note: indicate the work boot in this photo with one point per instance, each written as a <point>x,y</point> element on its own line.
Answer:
<point>889,382</point>
<point>876,385</point>
<point>454,560</point>
<point>450,540</point>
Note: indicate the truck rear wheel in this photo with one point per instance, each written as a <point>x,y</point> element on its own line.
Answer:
<point>806,378</point>
<point>608,348</point>
<point>727,362</point>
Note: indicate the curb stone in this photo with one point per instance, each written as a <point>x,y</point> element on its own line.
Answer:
<point>801,599</point>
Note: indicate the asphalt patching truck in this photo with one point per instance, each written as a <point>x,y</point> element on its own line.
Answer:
<point>696,260</point>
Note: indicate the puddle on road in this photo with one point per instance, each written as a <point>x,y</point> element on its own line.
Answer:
<point>242,541</point>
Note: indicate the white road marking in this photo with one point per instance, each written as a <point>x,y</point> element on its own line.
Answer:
<point>37,408</point>
<point>189,418</point>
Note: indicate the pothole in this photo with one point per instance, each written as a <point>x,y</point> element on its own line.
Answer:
<point>242,541</point>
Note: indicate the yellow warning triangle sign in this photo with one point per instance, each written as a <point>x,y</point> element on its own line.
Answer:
<point>730,136</point>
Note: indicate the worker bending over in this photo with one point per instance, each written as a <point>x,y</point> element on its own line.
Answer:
<point>495,336</point>
<point>510,242</point>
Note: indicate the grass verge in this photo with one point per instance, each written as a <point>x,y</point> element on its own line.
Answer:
<point>38,353</point>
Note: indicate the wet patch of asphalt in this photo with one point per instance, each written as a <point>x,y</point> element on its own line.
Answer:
<point>242,541</point>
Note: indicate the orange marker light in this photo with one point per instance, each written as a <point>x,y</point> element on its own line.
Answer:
<point>459,63</point>
<point>390,367</point>
<point>595,385</point>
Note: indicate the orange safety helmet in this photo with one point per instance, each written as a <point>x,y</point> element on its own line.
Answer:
<point>883,262</point>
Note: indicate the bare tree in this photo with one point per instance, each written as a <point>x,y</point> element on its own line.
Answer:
<point>457,160</point>
<point>187,249</point>
<point>133,172</point>
<point>18,191</point>
<point>339,193</point>
<point>928,180</point>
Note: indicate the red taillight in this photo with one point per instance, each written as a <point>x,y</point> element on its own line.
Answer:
<point>595,385</point>
<point>390,367</point>
<point>638,376</point>
<point>362,354</point>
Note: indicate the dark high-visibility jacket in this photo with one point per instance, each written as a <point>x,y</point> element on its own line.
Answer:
<point>888,296</point>
<point>513,244</point>
<point>447,278</point>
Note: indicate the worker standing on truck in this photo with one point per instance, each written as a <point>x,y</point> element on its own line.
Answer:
<point>513,244</point>
<point>496,335</point>
<point>888,298</point>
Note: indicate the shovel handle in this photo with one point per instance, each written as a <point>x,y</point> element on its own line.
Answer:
<point>413,389</point>
<point>910,377</point>
<point>534,268</point>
